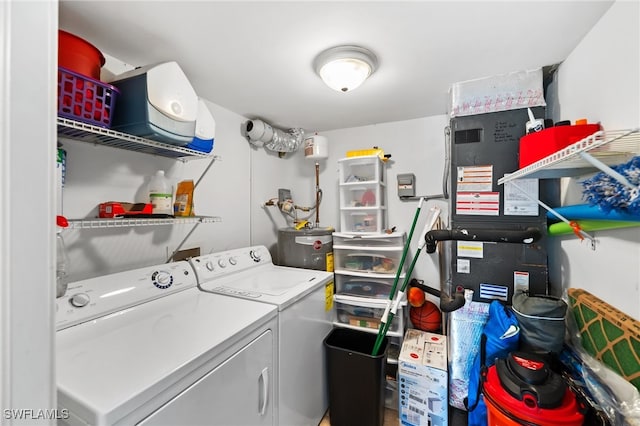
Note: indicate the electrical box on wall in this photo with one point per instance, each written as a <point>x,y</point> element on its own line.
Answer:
<point>284,195</point>
<point>406,185</point>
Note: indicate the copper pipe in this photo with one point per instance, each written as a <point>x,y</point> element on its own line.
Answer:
<point>317,194</point>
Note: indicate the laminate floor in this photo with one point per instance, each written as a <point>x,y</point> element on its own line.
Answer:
<point>456,418</point>
<point>390,418</point>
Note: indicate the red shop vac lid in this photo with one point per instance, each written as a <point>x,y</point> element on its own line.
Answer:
<point>525,376</point>
<point>523,387</point>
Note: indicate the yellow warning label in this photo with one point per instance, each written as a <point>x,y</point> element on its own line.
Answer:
<point>329,259</point>
<point>328,296</point>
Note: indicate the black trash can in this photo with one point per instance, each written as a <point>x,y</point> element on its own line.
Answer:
<point>356,378</point>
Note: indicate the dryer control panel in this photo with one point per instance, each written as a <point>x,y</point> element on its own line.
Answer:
<point>95,297</point>
<point>217,265</point>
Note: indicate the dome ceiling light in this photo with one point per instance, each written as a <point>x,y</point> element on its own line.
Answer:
<point>343,68</point>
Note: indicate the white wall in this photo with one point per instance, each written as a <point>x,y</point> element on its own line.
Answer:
<point>416,146</point>
<point>600,81</point>
<point>27,162</point>
<point>269,172</point>
<point>97,174</point>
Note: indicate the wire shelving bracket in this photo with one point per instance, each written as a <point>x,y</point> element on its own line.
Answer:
<point>598,151</point>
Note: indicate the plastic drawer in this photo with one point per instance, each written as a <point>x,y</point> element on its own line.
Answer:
<point>350,240</point>
<point>361,195</point>
<point>363,220</point>
<point>365,313</point>
<point>363,259</point>
<point>361,169</point>
<point>358,286</point>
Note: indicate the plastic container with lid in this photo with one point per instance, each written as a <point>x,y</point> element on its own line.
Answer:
<point>79,55</point>
<point>161,194</point>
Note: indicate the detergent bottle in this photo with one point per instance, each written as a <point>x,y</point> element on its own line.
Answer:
<point>160,194</point>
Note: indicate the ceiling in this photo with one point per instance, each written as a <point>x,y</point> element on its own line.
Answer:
<point>255,58</point>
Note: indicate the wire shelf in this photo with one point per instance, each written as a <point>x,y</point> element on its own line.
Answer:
<point>609,147</point>
<point>133,222</point>
<point>102,136</point>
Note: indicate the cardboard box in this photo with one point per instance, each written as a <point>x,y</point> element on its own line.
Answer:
<point>538,145</point>
<point>113,209</point>
<point>609,335</point>
<point>422,379</point>
<point>515,90</point>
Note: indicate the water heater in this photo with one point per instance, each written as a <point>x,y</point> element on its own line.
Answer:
<point>316,147</point>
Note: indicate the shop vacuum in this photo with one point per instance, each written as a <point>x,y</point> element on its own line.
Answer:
<point>156,102</point>
<point>523,390</point>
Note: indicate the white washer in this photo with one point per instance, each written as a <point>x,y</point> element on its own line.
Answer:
<point>148,347</point>
<point>304,299</point>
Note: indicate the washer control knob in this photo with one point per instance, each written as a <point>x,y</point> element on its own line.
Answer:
<point>163,278</point>
<point>233,260</point>
<point>255,255</point>
<point>222,263</point>
<point>79,300</point>
<point>210,266</point>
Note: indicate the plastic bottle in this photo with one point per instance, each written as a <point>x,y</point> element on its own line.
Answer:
<point>62,258</point>
<point>160,194</point>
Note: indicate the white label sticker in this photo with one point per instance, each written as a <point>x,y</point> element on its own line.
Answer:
<point>478,203</point>
<point>470,249</point>
<point>475,178</point>
<point>520,281</point>
<point>464,266</point>
<point>520,198</point>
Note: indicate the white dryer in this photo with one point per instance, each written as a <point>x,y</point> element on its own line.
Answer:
<point>147,347</point>
<point>304,299</point>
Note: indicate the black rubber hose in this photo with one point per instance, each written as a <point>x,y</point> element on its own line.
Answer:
<point>526,236</point>
<point>447,303</point>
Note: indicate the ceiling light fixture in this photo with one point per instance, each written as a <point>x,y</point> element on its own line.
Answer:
<point>343,68</point>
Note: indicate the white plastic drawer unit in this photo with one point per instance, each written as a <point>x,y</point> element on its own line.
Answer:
<point>363,313</point>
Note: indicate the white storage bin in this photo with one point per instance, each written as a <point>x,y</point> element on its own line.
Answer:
<point>363,313</point>
<point>367,260</point>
